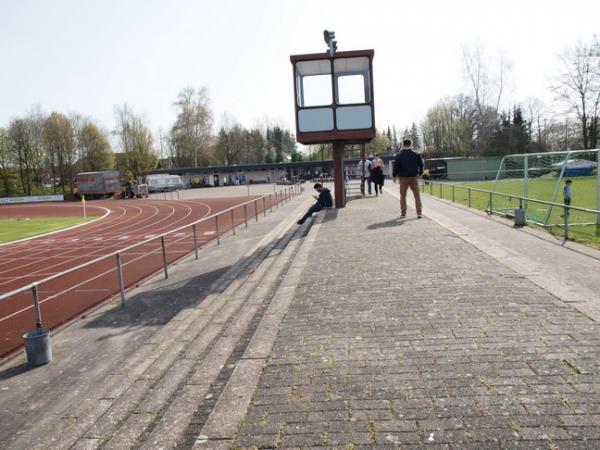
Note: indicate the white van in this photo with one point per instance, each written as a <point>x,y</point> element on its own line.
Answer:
<point>164,182</point>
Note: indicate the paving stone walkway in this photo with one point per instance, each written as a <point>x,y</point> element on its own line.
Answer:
<point>402,335</point>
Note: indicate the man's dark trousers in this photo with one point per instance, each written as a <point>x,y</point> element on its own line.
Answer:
<point>313,209</point>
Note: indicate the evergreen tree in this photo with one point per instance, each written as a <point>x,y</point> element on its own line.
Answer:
<point>415,136</point>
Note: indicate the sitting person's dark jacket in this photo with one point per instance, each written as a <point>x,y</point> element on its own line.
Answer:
<point>323,201</point>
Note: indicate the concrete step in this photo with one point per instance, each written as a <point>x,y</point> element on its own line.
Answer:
<point>151,398</point>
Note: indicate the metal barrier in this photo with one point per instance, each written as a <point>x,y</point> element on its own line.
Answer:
<point>105,268</point>
<point>567,210</point>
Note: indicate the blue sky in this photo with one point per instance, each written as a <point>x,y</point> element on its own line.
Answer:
<point>88,56</point>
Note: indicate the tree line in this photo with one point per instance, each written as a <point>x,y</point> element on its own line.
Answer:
<point>473,124</point>
<point>42,153</point>
<point>49,149</point>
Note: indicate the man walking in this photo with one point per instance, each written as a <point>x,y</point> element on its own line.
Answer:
<point>324,200</point>
<point>364,170</point>
<point>407,169</point>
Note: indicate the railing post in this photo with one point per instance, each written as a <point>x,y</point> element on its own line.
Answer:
<point>121,280</point>
<point>164,254</point>
<point>265,207</point>
<point>245,216</point>
<point>491,209</point>
<point>195,240</point>
<point>441,185</point>
<point>276,202</point>
<point>469,197</point>
<point>270,203</point>
<point>255,211</point>
<point>36,306</point>
<point>453,194</point>
<point>217,228</point>
<point>566,214</point>
<point>232,223</point>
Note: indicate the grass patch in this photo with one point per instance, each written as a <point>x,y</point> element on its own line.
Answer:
<point>584,195</point>
<point>15,229</point>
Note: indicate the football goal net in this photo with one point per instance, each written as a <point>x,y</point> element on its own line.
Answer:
<point>542,176</point>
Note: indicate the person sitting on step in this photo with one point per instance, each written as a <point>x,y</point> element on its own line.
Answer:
<point>324,200</point>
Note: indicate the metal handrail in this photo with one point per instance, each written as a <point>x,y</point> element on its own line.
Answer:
<point>524,199</point>
<point>123,250</point>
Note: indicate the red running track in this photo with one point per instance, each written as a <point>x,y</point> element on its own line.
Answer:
<point>125,223</point>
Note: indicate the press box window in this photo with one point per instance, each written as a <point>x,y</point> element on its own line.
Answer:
<point>313,83</point>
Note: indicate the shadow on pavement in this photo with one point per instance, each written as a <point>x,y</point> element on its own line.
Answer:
<point>387,224</point>
<point>14,371</point>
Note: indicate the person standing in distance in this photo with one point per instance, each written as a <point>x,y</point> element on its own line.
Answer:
<point>377,166</point>
<point>364,170</point>
<point>408,167</point>
<point>324,200</point>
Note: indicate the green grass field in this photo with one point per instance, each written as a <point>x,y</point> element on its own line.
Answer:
<point>583,190</point>
<point>15,229</point>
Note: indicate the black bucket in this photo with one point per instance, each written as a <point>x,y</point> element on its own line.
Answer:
<point>38,347</point>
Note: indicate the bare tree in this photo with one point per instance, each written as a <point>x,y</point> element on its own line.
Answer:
<point>137,143</point>
<point>20,149</point>
<point>578,87</point>
<point>487,91</point>
<point>59,139</point>
<point>5,164</point>
<point>191,133</point>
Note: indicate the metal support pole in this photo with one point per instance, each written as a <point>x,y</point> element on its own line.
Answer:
<point>441,185</point>
<point>255,211</point>
<point>265,207</point>
<point>121,280</point>
<point>598,192</point>
<point>452,193</point>
<point>195,240</point>
<point>566,214</point>
<point>526,179</point>
<point>276,200</point>
<point>270,203</point>
<point>469,197</point>
<point>338,170</point>
<point>164,254</point>
<point>232,223</point>
<point>491,209</point>
<point>36,306</point>
<point>217,228</point>
<point>245,216</point>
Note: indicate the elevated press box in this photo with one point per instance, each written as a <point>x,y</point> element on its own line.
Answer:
<point>334,97</point>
